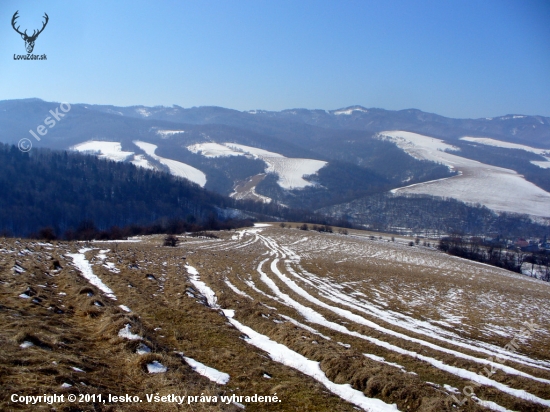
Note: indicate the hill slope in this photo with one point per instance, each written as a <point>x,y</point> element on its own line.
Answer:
<point>345,160</point>
<point>271,310</point>
<point>62,190</point>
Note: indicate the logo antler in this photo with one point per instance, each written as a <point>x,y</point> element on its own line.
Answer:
<point>29,40</point>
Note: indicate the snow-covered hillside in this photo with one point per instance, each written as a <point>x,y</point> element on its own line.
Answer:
<point>113,151</point>
<point>213,150</point>
<point>507,145</point>
<point>106,150</point>
<point>141,161</point>
<point>291,171</point>
<point>349,111</point>
<point>165,134</point>
<point>176,168</point>
<point>498,188</point>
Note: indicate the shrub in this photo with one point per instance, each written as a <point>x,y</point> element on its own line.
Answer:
<point>171,240</point>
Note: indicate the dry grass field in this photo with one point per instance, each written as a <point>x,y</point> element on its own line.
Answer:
<point>326,322</point>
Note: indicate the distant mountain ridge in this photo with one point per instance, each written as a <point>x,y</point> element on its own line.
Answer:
<point>510,127</point>
<point>356,163</point>
<point>518,128</point>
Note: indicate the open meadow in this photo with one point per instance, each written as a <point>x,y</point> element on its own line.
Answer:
<point>316,321</point>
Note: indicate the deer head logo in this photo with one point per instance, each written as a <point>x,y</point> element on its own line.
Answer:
<point>29,40</point>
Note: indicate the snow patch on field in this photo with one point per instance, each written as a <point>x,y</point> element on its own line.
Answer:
<point>383,360</point>
<point>202,287</point>
<point>491,405</point>
<point>176,168</point>
<point>419,146</point>
<point>156,367</point>
<point>282,354</point>
<point>507,145</point>
<point>237,290</point>
<point>112,151</point>
<point>127,334</point>
<point>105,150</point>
<point>497,188</point>
<point>214,375</point>
<point>85,268</point>
<point>306,327</point>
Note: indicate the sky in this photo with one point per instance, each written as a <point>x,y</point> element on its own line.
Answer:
<point>456,58</point>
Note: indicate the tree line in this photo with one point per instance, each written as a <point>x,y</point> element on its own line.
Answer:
<point>495,253</point>
<point>87,230</point>
<point>431,216</point>
<point>70,195</point>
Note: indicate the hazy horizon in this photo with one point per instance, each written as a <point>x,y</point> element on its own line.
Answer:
<point>456,59</point>
<point>260,109</point>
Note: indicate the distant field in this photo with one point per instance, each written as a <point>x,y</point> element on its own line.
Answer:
<point>497,188</point>
<point>327,322</point>
<point>545,164</point>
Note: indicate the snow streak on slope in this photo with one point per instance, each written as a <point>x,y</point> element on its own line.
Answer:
<point>202,287</point>
<point>290,170</point>
<point>286,356</point>
<point>105,150</point>
<point>85,268</point>
<point>343,307</point>
<point>141,161</point>
<point>176,168</point>
<point>507,145</point>
<point>282,354</point>
<point>213,374</point>
<point>313,316</point>
<point>495,187</point>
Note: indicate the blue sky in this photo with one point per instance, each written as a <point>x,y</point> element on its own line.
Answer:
<point>456,58</point>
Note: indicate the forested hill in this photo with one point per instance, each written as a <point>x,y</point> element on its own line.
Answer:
<point>62,190</point>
